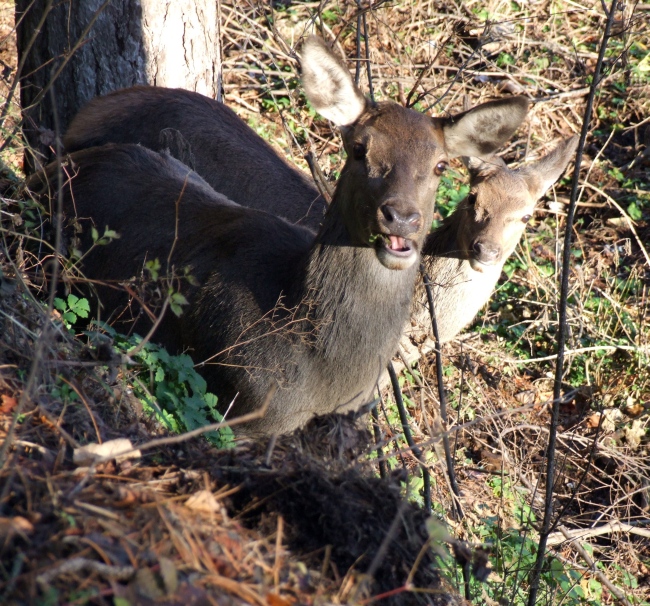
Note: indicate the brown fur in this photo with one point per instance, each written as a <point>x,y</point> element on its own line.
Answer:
<point>227,153</point>
<point>319,317</point>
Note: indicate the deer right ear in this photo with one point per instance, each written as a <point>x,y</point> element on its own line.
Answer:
<point>328,84</point>
<point>540,175</point>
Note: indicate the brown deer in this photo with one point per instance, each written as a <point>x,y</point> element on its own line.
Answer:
<point>274,306</point>
<point>464,257</point>
<point>224,150</point>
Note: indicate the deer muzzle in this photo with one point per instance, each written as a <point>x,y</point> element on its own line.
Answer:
<point>484,254</point>
<point>399,223</point>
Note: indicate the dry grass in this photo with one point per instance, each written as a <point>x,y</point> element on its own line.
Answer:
<point>498,376</point>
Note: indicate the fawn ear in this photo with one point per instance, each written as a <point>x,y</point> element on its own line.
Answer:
<point>483,129</point>
<point>328,84</point>
<point>483,168</point>
<point>541,174</point>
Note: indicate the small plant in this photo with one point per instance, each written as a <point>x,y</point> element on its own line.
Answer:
<point>451,191</point>
<point>512,552</point>
<point>62,391</point>
<point>170,388</point>
<point>72,308</point>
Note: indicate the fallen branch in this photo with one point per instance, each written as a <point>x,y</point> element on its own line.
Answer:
<point>556,538</point>
<point>615,591</point>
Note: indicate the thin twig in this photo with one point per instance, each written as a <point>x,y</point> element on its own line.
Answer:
<point>409,437</point>
<point>562,313</point>
<point>442,397</point>
<point>167,441</point>
<point>26,394</point>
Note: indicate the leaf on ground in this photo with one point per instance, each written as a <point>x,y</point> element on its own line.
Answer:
<point>203,500</point>
<point>7,404</point>
<point>118,449</point>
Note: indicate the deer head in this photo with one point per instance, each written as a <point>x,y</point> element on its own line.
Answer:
<point>386,193</point>
<point>501,201</point>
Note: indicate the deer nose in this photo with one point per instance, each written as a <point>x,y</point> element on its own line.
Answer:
<point>400,221</point>
<point>486,252</point>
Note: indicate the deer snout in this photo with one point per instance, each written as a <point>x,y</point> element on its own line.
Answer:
<point>485,252</point>
<point>400,219</point>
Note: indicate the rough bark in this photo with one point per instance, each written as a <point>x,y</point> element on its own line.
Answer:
<point>87,48</point>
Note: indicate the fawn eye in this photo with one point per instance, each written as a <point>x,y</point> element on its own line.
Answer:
<point>440,168</point>
<point>526,218</point>
<point>471,199</point>
<point>359,151</point>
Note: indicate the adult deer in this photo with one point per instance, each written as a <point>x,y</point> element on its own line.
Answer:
<point>224,150</point>
<point>318,317</point>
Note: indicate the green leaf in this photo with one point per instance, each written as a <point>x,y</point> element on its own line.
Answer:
<point>153,267</point>
<point>179,299</point>
<point>81,307</point>
<point>211,400</point>
<point>635,212</point>
<point>69,317</point>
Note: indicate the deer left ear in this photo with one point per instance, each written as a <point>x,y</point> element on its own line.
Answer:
<point>479,168</point>
<point>483,129</point>
<point>541,175</point>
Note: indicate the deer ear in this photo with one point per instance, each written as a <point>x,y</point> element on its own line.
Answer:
<point>483,168</point>
<point>484,128</point>
<point>328,84</point>
<point>540,175</point>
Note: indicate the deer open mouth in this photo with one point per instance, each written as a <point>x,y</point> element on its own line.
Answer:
<point>396,245</point>
<point>394,252</point>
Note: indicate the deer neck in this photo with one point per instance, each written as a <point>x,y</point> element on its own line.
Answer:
<point>358,307</point>
<point>458,291</point>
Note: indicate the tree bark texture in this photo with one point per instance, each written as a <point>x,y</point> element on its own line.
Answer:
<point>86,48</point>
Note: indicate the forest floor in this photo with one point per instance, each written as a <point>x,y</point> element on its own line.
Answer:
<point>307,520</point>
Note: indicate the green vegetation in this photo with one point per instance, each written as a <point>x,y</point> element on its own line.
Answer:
<point>170,388</point>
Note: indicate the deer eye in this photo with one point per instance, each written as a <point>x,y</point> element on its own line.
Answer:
<point>526,218</point>
<point>359,151</point>
<point>471,199</point>
<point>440,168</point>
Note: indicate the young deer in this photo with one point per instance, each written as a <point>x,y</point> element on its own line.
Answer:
<point>274,306</point>
<point>465,255</point>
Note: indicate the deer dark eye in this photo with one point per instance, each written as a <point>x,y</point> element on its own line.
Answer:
<point>471,199</point>
<point>526,218</point>
<point>359,151</point>
<point>440,168</point>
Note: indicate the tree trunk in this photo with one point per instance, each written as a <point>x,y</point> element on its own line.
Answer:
<point>83,48</point>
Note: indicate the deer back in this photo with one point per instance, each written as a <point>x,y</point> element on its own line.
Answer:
<point>215,142</point>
